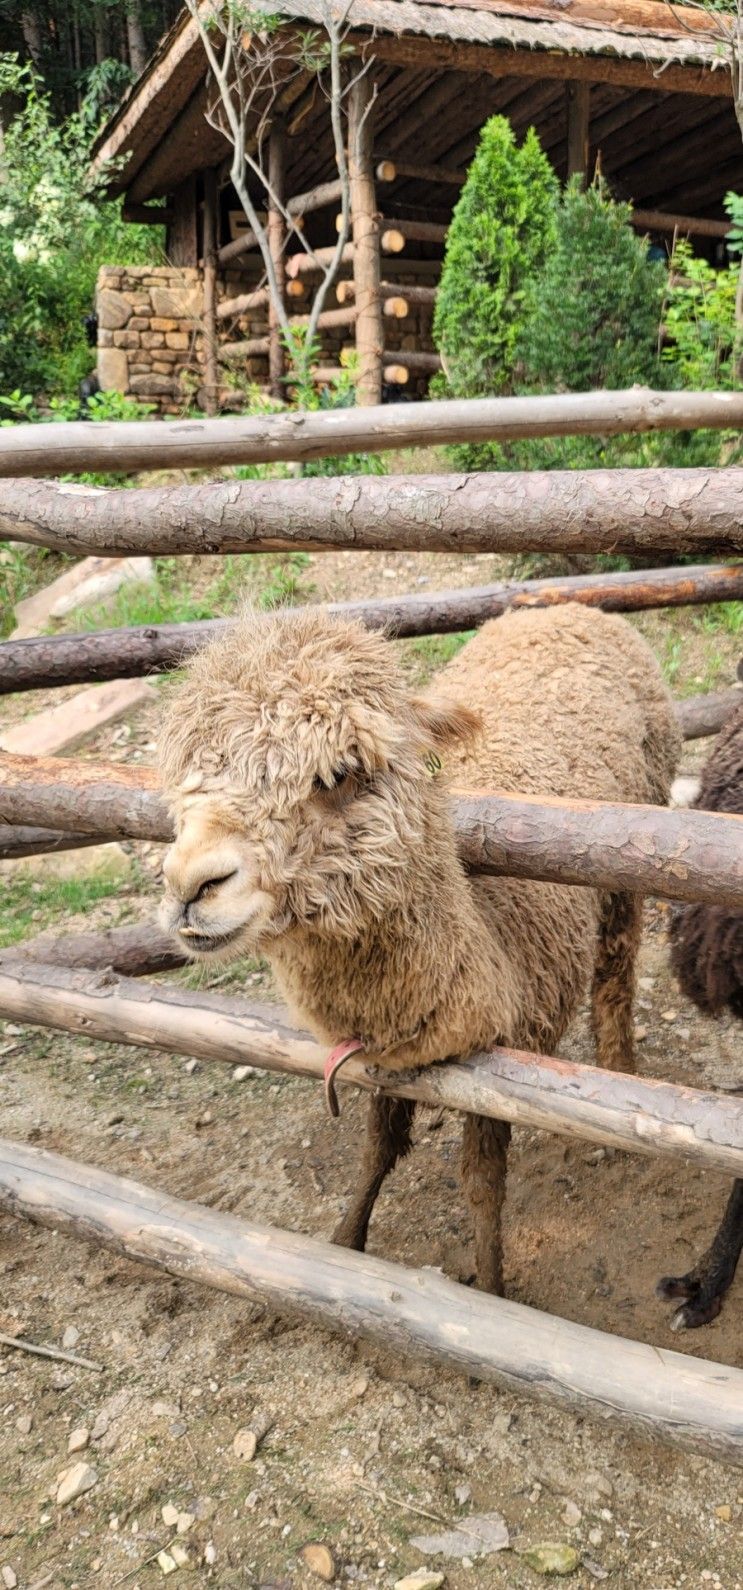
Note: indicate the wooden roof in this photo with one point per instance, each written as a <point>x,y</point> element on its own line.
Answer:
<point>661,108</point>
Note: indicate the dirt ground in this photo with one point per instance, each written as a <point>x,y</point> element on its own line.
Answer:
<point>362,1449</point>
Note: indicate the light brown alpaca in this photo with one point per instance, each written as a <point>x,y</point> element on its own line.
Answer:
<point>309,828</point>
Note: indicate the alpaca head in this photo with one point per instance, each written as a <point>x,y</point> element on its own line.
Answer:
<point>294,758</point>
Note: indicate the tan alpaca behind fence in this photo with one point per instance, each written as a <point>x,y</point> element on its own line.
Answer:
<point>311,827</point>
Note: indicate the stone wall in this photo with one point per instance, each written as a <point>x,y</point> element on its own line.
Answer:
<point>151,345</point>
<point>149,333</point>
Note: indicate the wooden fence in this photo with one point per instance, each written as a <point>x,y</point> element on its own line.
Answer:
<point>46,804</point>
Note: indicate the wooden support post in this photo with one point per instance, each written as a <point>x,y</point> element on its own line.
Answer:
<point>211,242</point>
<point>578,104</point>
<point>276,229</point>
<point>688,1401</point>
<point>365,225</point>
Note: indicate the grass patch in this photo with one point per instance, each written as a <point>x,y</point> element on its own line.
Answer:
<point>723,616</point>
<point>23,571</point>
<point>173,597</point>
<point>423,657</point>
<point>30,906</point>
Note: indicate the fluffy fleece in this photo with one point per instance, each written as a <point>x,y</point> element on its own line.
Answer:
<point>707,940</point>
<point>309,827</point>
<point>707,957</point>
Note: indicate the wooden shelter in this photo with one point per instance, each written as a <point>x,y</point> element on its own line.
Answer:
<point>640,84</point>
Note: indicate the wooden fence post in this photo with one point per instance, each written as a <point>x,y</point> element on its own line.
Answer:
<point>365,223</point>
<point>210,244</point>
<point>578,102</point>
<point>276,228</point>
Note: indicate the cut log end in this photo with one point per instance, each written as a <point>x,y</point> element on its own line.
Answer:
<point>396,374</point>
<point>396,308</point>
<point>392,241</point>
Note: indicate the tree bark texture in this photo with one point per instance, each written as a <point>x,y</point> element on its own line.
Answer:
<point>700,716</point>
<point>276,233</point>
<point>211,225</point>
<point>691,1402</point>
<point>682,855</point>
<point>365,229</point>
<point>139,950</point>
<point>88,657</point>
<point>16,841</point>
<point>578,112</point>
<point>649,511</point>
<point>130,445</point>
<point>638,1114</point>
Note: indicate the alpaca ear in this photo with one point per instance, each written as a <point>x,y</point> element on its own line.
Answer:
<point>444,722</point>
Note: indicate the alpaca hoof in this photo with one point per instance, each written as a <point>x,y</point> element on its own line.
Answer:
<point>671,1286</point>
<point>700,1311</point>
<point>699,1308</point>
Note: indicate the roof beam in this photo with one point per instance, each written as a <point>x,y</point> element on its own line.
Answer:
<point>541,63</point>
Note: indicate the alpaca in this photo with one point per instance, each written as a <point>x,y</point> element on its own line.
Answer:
<point>311,827</point>
<point>707,957</point>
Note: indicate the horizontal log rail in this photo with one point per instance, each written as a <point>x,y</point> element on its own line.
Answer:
<point>18,841</point>
<point>128,445</point>
<point>602,510</point>
<point>682,855</point>
<point>688,1401</point>
<point>415,359</point>
<point>395,170</point>
<point>688,225</point>
<point>411,232</point>
<point>303,264</point>
<point>252,348</point>
<point>89,656</point>
<point>700,716</point>
<point>637,1114</point>
<point>258,299</point>
<point>138,950</point>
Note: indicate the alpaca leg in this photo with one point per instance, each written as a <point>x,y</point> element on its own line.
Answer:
<point>705,1286</point>
<point>484,1159</point>
<point>614,981</point>
<point>388,1128</point>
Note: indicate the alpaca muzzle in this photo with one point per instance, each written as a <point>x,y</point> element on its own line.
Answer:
<point>337,1058</point>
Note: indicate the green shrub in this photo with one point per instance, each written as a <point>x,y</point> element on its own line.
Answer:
<point>56,230</point>
<point>500,234</point>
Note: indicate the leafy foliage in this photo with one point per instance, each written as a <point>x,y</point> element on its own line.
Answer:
<point>501,232</point>
<point>592,315</point>
<point>55,232</point>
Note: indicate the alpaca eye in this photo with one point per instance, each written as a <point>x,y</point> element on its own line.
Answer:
<point>322,786</point>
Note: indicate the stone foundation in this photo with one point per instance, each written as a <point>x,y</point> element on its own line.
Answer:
<point>151,344</point>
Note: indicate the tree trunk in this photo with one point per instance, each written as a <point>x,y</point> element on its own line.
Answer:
<point>211,241</point>
<point>578,100</point>
<point>690,1402</point>
<point>365,226</point>
<point>137,43</point>
<point>128,446</point>
<point>32,35</point>
<point>681,855</point>
<point>634,511</point>
<point>276,232</point>
<point>89,657</point>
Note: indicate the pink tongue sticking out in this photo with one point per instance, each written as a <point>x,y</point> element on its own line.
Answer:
<point>337,1058</point>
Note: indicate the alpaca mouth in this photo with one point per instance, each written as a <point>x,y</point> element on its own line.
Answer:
<point>207,943</point>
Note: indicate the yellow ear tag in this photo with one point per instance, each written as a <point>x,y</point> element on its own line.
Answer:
<point>433,763</point>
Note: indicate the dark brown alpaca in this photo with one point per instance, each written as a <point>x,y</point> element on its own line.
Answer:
<point>707,957</point>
